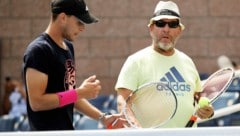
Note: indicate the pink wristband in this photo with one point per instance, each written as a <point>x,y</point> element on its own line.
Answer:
<point>67,97</point>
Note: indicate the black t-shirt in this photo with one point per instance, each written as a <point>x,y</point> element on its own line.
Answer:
<point>44,55</point>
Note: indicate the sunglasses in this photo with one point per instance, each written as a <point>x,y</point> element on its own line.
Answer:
<point>172,24</point>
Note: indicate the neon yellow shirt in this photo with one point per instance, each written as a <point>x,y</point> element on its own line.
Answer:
<point>178,70</point>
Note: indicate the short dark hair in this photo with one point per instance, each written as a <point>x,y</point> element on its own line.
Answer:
<point>54,16</point>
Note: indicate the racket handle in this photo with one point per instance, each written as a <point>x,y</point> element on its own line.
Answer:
<point>191,121</point>
<point>110,126</point>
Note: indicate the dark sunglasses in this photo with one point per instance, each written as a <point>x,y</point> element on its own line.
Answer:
<point>172,24</point>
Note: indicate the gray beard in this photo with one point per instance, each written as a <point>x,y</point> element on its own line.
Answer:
<point>165,47</point>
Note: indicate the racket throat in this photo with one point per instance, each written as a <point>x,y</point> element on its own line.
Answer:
<point>193,118</point>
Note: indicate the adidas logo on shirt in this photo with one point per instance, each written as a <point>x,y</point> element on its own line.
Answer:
<point>175,81</point>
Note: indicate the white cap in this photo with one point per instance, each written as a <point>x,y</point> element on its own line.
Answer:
<point>166,10</point>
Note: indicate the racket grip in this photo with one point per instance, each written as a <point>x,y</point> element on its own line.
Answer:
<point>110,126</point>
<point>191,121</point>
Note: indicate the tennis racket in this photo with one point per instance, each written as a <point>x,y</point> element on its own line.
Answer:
<point>213,87</point>
<point>150,106</point>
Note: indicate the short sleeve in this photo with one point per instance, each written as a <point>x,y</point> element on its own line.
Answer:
<point>128,77</point>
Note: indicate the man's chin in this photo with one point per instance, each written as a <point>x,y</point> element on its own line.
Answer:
<point>165,48</point>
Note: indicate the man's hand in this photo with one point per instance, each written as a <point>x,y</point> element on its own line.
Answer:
<point>90,88</point>
<point>205,112</point>
<point>114,121</point>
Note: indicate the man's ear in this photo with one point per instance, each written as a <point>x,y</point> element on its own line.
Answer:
<point>62,17</point>
<point>180,31</point>
<point>151,27</point>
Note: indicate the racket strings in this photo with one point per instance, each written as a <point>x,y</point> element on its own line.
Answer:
<point>217,84</point>
<point>152,107</point>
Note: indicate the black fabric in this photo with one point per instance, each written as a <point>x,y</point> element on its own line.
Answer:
<point>44,55</point>
<point>77,8</point>
<point>166,12</point>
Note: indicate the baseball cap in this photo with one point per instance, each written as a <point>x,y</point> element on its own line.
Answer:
<point>78,8</point>
<point>166,10</point>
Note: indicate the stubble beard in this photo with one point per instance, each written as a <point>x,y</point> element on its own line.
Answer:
<point>66,35</point>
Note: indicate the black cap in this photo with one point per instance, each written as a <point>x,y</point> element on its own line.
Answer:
<point>77,8</point>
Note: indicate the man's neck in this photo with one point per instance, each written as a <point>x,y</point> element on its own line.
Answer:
<point>56,36</point>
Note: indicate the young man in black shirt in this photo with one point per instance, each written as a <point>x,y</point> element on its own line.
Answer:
<point>50,73</point>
